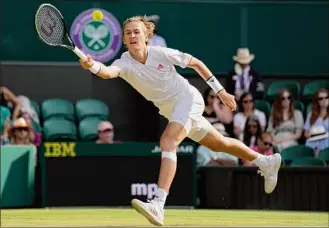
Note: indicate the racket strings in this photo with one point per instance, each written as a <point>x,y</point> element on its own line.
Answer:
<point>50,26</point>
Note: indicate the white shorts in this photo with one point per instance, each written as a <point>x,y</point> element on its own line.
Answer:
<point>187,111</point>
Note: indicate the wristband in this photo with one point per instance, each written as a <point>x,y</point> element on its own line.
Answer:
<point>214,84</point>
<point>96,67</point>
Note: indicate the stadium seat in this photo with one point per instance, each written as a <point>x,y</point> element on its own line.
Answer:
<point>57,108</point>
<point>59,129</point>
<point>299,106</point>
<point>91,108</point>
<point>294,152</point>
<point>324,155</point>
<point>263,106</point>
<point>307,162</point>
<point>274,88</point>
<point>36,106</point>
<point>5,113</point>
<point>311,87</point>
<point>88,128</point>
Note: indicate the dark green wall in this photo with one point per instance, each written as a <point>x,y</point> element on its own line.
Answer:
<point>288,38</point>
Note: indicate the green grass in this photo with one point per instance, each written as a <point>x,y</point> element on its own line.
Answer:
<point>174,217</point>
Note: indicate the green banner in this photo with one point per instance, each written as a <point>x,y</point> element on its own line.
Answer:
<point>287,37</point>
<point>80,149</point>
<point>17,175</point>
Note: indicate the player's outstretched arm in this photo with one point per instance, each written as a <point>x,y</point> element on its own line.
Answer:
<point>102,71</point>
<point>212,81</point>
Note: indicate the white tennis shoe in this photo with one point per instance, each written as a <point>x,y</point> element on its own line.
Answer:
<point>152,211</point>
<point>270,172</point>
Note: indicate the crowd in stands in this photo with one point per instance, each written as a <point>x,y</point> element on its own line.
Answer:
<point>278,124</point>
<point>271,120</point>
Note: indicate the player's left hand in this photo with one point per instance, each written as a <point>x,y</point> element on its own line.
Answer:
<point>227,99</point>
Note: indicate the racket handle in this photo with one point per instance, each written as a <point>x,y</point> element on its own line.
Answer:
<point>79,53</point>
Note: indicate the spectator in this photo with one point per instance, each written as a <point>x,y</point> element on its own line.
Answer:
<point>207,157</point>
<point>252,131</point>
<point>37,136</point>
<point>28,109</point>
<point>247,109</point>
<point>215,111</point>
<point>105,132</point>
<point>264,146</point>
<point>9,100</point>
<point>156,39</point>
<point>317,122</point>
<point>5,131</point>
<point>20,133</point>
<point>243,78</point>
<point>285,123</point>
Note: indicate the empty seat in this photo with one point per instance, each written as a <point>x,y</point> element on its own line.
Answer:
<point>88,128</point>
<point>324,155</point>
<point>294,152</point>
<point>307,162</point>
<point>59,129</point>
<point>91,108</point>
<point>57,108</point>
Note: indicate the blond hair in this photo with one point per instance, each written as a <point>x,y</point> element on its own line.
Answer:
<point>149,25</point>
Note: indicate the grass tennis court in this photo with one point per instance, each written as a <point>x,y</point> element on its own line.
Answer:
<point>174,217</point>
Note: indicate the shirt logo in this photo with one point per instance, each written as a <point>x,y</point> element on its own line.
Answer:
<point>160,67</point>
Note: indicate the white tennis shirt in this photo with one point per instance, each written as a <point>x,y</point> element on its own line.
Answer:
<point>157,80</point>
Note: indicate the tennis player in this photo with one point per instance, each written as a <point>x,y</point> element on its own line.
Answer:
<point>151,71</point>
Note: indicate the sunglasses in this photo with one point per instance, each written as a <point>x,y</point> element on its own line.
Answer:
<point>267,144</point>
<point>248,101</point>
<point>252,126</point>
<point>212,96</point>
<point>106,130</point>
<point>323,98</point>
<point>286,98</point>
<point>21,129</point>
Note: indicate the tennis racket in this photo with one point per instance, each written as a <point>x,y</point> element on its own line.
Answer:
<point>52,30</point>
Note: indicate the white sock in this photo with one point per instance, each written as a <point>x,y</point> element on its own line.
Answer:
<point>160,197</point>
<point>260,161</point>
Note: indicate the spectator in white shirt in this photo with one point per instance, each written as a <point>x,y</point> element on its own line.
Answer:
<point>247,109</point>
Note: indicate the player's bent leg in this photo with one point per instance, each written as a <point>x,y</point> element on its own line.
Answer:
<point>170,139</point>
<point>268,165</point>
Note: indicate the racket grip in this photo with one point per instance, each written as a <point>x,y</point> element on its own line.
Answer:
<point>79,53</point>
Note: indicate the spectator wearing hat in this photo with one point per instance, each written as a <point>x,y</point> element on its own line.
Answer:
<point>156,39</point>
<point>105,133</point>
<point>316,127</point>
<point>20,133</point>
<point>243,78</point>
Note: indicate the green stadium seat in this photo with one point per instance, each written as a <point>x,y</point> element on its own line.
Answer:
<point>324,155</point>
<point>88,128</point>
<point>294,152</point>
<point>5,113</point>
<point>57,108</point>
<point>91,108</point>
<point>299,106</point>
<point>274,88</point>
<point>311,87</point>
<point>263,106</point>
<point>307,162</point>
<point>36,106</point>
<point>59,129</point>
